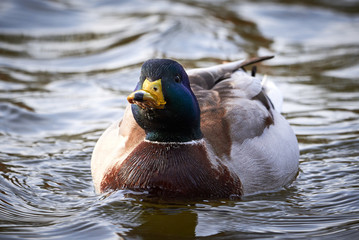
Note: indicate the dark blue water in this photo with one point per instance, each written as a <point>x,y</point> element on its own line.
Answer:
<point>66,68</point>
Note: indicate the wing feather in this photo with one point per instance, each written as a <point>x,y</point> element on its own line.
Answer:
<point>234,106</point>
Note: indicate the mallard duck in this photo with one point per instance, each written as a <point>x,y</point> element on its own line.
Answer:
<point>209,133</point>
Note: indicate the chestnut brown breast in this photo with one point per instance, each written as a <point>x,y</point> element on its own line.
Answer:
<point>173,170</point>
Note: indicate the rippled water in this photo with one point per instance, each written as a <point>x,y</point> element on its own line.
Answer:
<point>65,70</point>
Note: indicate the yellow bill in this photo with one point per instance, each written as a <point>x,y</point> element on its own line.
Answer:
<point>150,96</point>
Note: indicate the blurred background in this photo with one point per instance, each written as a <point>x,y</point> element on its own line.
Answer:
<point>67,66</point>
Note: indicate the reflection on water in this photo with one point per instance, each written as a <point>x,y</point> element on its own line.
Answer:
<point>67,66</point>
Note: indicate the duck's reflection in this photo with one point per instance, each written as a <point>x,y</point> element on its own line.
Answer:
<point>165,223</point>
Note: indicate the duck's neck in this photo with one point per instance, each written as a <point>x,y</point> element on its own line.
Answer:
<point>177,135</point>
<point>165,126</point>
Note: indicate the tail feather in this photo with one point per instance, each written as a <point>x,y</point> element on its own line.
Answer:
<point>273,92</point>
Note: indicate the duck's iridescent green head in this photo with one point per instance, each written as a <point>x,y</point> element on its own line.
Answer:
<point>163,103</point>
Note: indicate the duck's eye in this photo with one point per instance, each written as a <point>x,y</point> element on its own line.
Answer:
<point>177,79</point>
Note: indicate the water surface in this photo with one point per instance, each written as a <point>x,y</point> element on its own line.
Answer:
<point>66,68</point>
